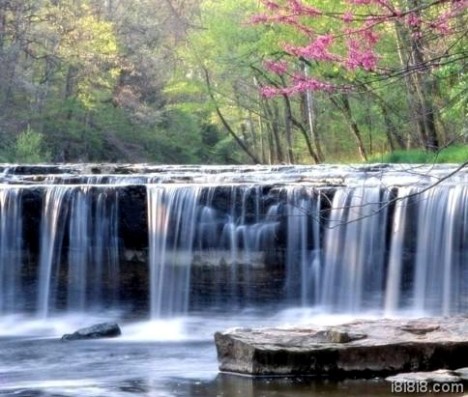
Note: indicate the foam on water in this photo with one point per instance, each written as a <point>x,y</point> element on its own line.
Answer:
<point>24,326</point>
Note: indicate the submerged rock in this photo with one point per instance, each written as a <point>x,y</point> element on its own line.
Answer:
<point>102,330</point>
<point>361,348</point>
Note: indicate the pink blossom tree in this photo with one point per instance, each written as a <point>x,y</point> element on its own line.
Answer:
<point>368,43</point>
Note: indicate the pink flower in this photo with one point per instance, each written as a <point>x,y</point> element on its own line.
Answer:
<point>271,5</point>
<point>359,57</point>
<point>382,3</point>
<point>368,60</point>
<point>360,1</point>
<point>413,20</point>
<point>259,18</point>
<point>459,6</point>
<point>370,36</point>
<point>442,23</point>
<point>269,92</point>
<point>348,17</point>
<point>443,28</point>
<point>318,49</point>
<point>299,84</point>
<point>303,83</point>
<point>278,67</point>
<point>298,8</point>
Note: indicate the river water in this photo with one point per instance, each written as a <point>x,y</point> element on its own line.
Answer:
<point>166,358</point>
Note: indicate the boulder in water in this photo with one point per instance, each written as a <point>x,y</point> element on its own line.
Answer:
<point>358,349</point>
<point>102,330</point>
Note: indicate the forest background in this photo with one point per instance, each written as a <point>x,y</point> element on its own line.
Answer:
<point>232,81</point>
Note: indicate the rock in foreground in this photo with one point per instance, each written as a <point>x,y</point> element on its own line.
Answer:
<point>361,348</point>
<point>102,330</point>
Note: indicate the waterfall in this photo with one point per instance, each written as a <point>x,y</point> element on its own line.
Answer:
<point>77,276</point>
<point>172,213</point>
<point>52,228</point>
<point>163,241</point>
<point>11,250</point>
<point>303,254</point>
<point>93,250</point>
<point>355,249</point>
<point>78,250</point>
<point>395,262</point>
<point>440,268</point>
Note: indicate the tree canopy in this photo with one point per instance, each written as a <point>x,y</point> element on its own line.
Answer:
<point>245,81</point>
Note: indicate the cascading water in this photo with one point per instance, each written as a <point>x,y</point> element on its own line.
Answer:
<point>93,249</point>
<point>11,250</point>
<point>234,235</point>
<point>303,254</point>
<point>355,249</point>
<point>437,275</point>
<point>172,213</point>
<point>51,242</point>
<point>74,276</point>
<point>162,241</point>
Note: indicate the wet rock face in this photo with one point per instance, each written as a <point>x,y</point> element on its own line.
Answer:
<point>133,216</point>
<point>102,330</point>
<point>363,349</point>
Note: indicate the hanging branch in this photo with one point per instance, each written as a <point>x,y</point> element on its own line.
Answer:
<point>226,125</point>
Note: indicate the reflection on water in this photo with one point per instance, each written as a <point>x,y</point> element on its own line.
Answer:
<point>174,358</point>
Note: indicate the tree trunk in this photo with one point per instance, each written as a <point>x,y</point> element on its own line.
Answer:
<point>394,137</point>
<point>226,125</point>
<point>2,29</point>
<point>306,136</point>
<point>311,135</point>
<point>344,106</point>
<point>275,127</point>
<point>308,115</point>
<point>413,105</point>
<point>424,89</point>
<point>420,80</point>
<point>288,129</point>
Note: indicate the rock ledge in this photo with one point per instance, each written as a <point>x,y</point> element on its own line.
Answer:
<point>357,349</point>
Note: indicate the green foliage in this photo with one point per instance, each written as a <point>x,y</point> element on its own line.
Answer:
<point>175,140</point>
<point>227,152</point>
<point>452,154</point>
<point>30,148</point>
<point>101,82</point>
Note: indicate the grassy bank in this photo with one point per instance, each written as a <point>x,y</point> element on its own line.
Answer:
<point>452,154</point>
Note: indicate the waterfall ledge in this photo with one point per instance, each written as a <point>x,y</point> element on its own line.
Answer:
<point>357,349</point>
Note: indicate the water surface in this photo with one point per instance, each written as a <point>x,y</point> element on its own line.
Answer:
<point>165,358</point>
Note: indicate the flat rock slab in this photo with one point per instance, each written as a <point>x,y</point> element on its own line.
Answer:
<point>361,348</point>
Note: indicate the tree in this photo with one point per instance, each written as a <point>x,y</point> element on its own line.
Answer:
<point>29,148</point>
<point>357,39</point>
<point>80,68</point>
<point>89,77</point>
<point>222,72</point>
<point>182,82</point>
